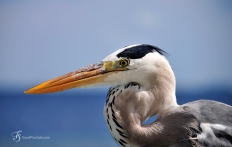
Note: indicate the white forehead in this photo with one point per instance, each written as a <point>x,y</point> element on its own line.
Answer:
<point>113,56</point>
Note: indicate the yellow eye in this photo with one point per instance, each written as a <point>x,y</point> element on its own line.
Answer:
<point>123,62</point>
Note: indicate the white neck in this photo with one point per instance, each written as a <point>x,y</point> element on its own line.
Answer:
<point>133,104</point>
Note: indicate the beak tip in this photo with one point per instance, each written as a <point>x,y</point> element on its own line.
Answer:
<point>26,92</point>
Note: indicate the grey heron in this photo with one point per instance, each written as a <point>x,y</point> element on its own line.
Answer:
<point>143,85</point>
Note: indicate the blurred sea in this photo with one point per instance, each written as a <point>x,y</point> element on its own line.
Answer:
<point>70,118</point>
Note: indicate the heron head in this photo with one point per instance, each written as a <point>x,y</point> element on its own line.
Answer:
<point>135,63</point>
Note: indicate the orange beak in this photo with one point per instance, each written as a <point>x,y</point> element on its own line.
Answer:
<point>92,74</point>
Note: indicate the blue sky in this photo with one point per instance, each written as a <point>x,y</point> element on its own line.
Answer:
<point>40,40</point>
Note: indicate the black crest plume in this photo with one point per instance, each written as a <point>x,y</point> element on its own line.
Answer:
<point>139,51</point>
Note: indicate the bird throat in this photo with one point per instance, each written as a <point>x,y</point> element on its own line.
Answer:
<point>113,117</point>
<point>126,107</point>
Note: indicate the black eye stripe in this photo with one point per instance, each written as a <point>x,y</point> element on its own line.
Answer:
<point>139,51</point>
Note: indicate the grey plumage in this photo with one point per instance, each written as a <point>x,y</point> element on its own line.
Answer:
<point>191,116</point>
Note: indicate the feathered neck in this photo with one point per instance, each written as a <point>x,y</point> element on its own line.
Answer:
<point>136,103</point>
